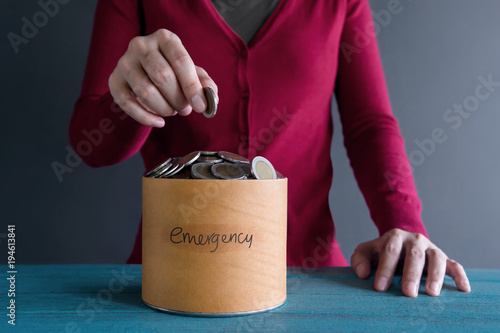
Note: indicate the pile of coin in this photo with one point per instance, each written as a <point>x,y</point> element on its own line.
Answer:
<point>215,165</point>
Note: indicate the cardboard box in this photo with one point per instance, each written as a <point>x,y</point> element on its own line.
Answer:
<point>214,247</point>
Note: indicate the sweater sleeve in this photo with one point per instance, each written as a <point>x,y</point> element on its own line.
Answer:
<point>101,133</point>
<point>372,136</point>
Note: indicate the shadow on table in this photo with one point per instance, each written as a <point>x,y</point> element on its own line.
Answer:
<point>367,284</point>
<point>128,293</point>
<point>132,299</point>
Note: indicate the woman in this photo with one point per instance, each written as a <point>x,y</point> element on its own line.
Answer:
<point>276,68</point>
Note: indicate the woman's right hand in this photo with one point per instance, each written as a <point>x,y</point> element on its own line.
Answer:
<point>157,78</point>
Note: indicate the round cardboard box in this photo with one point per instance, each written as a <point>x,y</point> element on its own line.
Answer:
<point>214,247</point>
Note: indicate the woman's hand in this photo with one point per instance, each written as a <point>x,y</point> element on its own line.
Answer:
<point>157,78</point>
<point>416,253</point>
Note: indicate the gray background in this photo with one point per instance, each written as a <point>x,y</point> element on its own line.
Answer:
<point>433,52</point>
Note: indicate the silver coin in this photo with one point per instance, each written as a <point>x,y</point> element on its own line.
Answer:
<point>211,103</point>
<point>262,168</point>
<point>202,171</point>
<point>158,168</point>
<point>231,157</point>
<point>208,153</point>
<point>189,158</point>
<point>162,170</point>
<point>175,169</point>
<point>181,163</point>
<point>167,169</point>
<point>209,159</point>
<point>246,167</point>
<point>227,171</point>
<point>185,173</point>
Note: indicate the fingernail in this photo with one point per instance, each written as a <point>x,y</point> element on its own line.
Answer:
<point>382,284</point>
<point>198,103</point>
<point>434,286</point>
<point>159,123</point>
<point>412,286</point>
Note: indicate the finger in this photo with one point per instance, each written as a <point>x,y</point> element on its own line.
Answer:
<point>361,260</point>
<point>147,92</point>
<point>206,81</point>
<point>174,52</point>
<point>436,267</point>
<point>457,272</point>
<point>389,258</point>
<point>162,75</point>
<point>127,101</point>
<point>139,48</point>
<point>412,270</point>
<point>149,109</point>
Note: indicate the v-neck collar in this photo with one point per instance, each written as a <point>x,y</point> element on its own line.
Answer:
<point>233,36</point>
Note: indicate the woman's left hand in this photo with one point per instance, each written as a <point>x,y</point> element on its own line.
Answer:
<point>416,253</point>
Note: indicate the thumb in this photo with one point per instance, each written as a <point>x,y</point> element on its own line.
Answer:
<point>206,81</point>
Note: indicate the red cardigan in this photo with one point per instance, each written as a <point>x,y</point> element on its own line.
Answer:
<point>275,97</point>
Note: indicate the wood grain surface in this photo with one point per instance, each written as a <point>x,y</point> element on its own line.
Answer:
<point>107,298</point>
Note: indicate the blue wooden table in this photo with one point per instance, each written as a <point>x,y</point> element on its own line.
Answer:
<point>107,298</point>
